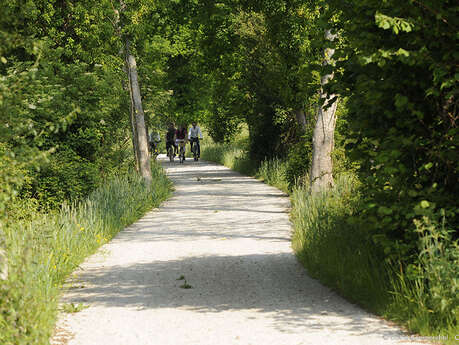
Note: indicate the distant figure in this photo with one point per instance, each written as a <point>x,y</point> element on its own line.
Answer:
<point>194,134</point>
<point>170,138</point>
<point>153,140</point>
<point>181,138</point>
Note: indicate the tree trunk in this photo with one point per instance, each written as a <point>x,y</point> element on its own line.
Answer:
<point>321,174</point>
<point>135,145</point>
<point>140,131</point>
<point>301,119</point>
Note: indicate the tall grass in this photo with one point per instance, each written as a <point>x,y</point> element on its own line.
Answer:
<point>230,155</point>
<point>426,295</point>
<point>274,172</point>
<point>42,249</point>
<point>334,245</point>
<point>235,156</point>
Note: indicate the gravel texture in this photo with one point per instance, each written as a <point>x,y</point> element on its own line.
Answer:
<point>213,265</point>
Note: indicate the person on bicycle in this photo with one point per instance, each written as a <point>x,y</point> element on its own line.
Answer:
<point>153,140</point>
<point>180,135</point>
<point>170,138</point>
<point>194,134</point>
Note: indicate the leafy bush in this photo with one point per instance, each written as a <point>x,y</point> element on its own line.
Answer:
<point>298,161</point>
<point>67,176</point>
<point>400,79</point>
<point>427,293</point>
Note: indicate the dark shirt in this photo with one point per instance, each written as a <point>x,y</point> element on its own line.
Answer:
<point>181,133</point>
<point>170,134</point>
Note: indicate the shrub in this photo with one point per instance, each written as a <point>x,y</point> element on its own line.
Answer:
<point>67,176</point>
<point>298,162</point>
<point>427,292</point>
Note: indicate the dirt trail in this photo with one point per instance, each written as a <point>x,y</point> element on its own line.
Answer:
<point>228,236</point>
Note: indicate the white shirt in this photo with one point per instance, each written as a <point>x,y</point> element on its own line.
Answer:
<point>194,132</point>
<point>154,136</point>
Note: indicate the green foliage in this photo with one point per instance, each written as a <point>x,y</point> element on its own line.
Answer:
<point>396,67</point>
<point>67,176</point>
<point>234,156</point>
<point>406,139</point>
<point>63,118</point>
<point>42,249</point>
<point>73,308</point>
<point>299,160</point>
<point>230,155</point>
<point>429,289</point>
<point>57,98</point>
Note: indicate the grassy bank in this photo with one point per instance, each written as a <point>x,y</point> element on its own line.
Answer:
<point>334,247</point>
<point>332,241</point>
<point>42,249</point>
<point>234,156</point>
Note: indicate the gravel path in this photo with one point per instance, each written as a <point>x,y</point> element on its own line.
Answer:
<point>229,237</point>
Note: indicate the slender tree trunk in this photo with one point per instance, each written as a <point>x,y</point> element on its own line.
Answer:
<point>139,134</point>
<point>321,174</point>
<point>140,130</point>
<point>301,119</point>
<point>135,145</point>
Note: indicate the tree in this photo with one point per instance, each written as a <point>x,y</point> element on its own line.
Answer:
<point>321,174</point>
<point>140,129</point>
<point>140,135</point>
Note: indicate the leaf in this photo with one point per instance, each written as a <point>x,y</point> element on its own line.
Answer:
<point>383,210</point>
<point>403,52</point>
<point>428,165</point>
<point>424,204</point>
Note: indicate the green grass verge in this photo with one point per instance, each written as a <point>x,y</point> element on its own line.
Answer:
<point>335,248</point>
<point>43,249</point>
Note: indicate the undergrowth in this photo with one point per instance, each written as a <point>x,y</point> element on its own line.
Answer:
<point>42,249</point>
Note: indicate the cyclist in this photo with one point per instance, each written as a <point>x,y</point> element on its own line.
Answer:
<point>170,138</point>
<point>180,135</point>
<point>194,134</point>
<point>154,139</point>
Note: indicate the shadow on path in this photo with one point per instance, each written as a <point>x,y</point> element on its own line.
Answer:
<point>273,284</point>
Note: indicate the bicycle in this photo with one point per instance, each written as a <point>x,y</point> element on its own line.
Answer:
<point>154,149</point>
<point>181,143</point>
<point>170,153</point>
<point>194,149</point>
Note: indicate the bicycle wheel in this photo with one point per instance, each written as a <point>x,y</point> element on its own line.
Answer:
<point>170,153</point>
<point>182,155</point>
<point>194,149</point>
